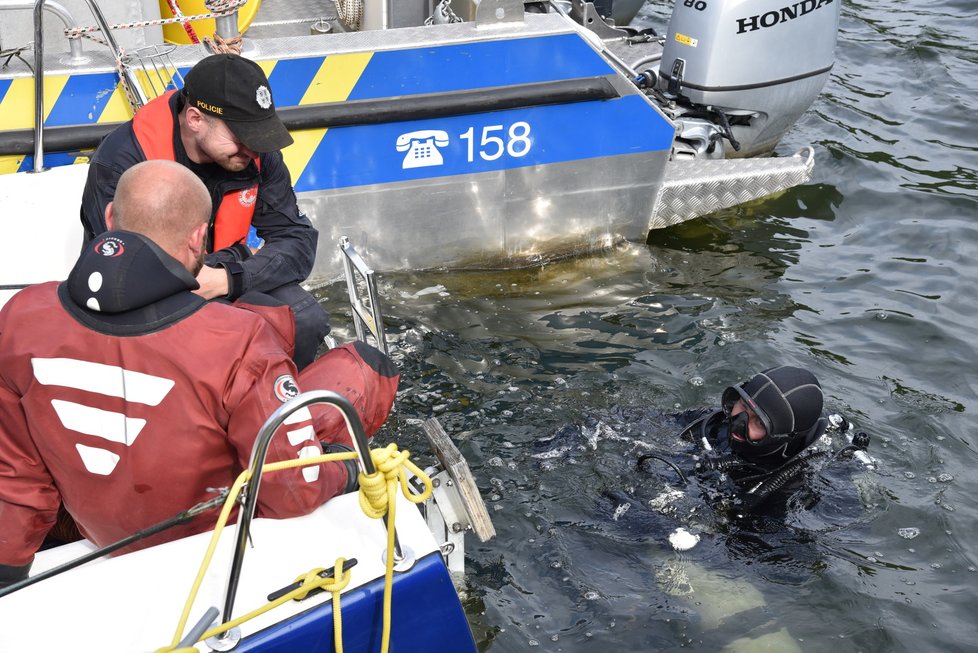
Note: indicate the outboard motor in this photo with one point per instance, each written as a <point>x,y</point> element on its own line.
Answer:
<point>741,72</point>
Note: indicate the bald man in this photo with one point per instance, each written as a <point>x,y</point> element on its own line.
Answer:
<point>124,395</point>
<point>162,202</point>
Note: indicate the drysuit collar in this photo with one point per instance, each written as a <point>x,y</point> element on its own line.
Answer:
<point>124,284</point>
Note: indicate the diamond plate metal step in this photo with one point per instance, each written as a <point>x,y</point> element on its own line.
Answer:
<point>696,187</point>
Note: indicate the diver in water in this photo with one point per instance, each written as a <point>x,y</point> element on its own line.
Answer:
<point>757,445</point>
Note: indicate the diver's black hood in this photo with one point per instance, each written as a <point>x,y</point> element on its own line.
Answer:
<point>789,401</point>
<point>124,284</point>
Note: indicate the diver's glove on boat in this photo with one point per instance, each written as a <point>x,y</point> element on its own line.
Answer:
<point>352,471</point>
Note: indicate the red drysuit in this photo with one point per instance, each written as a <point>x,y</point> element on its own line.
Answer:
<point>126,397</point>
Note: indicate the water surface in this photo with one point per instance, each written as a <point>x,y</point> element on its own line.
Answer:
<point>865,275</point>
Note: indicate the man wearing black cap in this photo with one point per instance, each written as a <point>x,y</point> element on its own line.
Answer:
<point>223,126</point>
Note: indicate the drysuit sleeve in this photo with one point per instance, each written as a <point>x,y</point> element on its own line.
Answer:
<point>29,499</point>
<point>362,374</point>
<point>265,380</point>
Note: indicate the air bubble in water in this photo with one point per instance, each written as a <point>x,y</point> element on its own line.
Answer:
<point>591,596</point>
<point>620,510</point>
<point>908,533</point>
<point>910,475</point>
<point>696,380</point>
<point>683,540</point>
<point>945,478</point>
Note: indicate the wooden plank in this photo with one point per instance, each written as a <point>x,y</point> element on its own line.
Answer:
<point>452,461</point>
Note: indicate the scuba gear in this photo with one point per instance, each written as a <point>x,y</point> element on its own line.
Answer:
<point>742,473</point>
<point>788,401</point>
<point>653,456</point>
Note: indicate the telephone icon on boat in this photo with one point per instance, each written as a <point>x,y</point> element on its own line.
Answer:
<point>422,148</point>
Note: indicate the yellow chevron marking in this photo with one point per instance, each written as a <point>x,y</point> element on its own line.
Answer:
<point>336,78</point>
<point>333,82</point>
<point>10,164</point>
<point>267,66</point>
<point>117,109</point>
<point>17,106</point>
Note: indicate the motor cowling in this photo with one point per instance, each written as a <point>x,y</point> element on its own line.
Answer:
<point>760,62</point>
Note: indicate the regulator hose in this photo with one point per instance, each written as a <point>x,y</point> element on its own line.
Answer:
<point>675,467</point>
<point>780,477</point>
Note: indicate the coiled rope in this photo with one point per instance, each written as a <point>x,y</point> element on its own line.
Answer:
<point>350,12</point>
<point>378,497</point>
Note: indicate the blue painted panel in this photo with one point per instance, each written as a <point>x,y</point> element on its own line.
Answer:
<point>291,78</point>
<point>478,65</point>
<point>83,99</point>
<point>457,145</point>
<point>426,616</point>
<point>4,87</point>
<point>51,160</point>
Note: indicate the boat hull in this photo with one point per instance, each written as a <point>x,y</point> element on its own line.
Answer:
<point>133,602</point>
<point>448,146</point>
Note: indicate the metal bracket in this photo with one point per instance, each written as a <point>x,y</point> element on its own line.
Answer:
<point>587,15</point>
<point>445,516</point>
<point>367,316</point>
<point>491,12</point>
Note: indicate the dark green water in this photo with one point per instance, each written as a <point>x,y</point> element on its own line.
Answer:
<point>866,276</point>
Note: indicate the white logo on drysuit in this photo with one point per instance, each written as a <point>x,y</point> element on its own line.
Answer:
<point>137,388</point>
<point>106,380</point>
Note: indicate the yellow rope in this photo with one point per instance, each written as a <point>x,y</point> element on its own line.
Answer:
<point>377,498</point>
<point>311,580</point>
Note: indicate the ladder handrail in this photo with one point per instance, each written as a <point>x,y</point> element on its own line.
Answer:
<point>128,79</point>
<point>258,453</point>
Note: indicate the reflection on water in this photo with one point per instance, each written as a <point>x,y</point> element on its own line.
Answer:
<point>865,275</point>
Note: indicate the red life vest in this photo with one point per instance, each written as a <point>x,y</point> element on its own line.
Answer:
<point>153,126</point>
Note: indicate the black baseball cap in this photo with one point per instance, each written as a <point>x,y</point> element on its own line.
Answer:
<point>235,89</point>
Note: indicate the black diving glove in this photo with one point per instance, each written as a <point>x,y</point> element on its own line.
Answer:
<point>10,575</point>
<point>352,471</point>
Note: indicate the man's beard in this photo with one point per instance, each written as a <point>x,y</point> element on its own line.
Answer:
<point>198,263</point>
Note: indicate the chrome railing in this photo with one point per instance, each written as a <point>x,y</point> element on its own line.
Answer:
<point>258,454</point>
<point>127,75</point>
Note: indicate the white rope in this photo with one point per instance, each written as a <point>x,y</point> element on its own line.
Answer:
<point>350,12</point>
<point>218,9</point>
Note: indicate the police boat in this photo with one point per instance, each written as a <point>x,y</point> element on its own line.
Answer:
<point>377,569</point>
<point>437,134</point>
